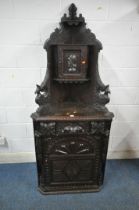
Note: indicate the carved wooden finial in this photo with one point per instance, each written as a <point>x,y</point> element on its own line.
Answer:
<point>72,11</point>
<point>72,19</point>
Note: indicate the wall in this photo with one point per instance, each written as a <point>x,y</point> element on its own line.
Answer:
<point>25,25</point>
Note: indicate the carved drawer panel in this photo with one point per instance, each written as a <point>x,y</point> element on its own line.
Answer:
<point>49,128</point>
<point>72,127</point>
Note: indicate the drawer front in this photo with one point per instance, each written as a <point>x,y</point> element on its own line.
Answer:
<point>72,128</point>
<point>50,128</point>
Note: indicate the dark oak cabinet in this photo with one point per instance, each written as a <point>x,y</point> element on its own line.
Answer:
<point>71,124</point>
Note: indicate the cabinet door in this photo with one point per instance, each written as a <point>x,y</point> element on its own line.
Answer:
<point>72,62</point>
<point>72,159</point>
<point>72,169</point>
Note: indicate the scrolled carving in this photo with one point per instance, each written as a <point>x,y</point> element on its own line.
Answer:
<point>42,91</point>
<point>62,147</point>
<point>103,94</point>
<point>102,91</point>
<point>41,97</point>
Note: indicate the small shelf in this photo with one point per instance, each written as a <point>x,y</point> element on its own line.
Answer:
<point>71,80</point>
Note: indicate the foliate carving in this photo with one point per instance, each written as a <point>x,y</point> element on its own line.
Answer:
<point>72,128</point>
<point>99,128</point>
<point>47,128</point>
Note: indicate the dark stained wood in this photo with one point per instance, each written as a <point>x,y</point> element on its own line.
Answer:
<point>71,124</point>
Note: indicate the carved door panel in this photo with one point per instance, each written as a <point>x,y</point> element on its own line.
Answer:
<point>72,160</point>
<point>72,62</point>
<point>68,170</point>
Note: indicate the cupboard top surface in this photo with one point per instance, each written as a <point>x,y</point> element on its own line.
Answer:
<point>72,117</point>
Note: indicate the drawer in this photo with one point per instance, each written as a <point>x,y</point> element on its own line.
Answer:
<point>50,128</point>
<point>75,127</point>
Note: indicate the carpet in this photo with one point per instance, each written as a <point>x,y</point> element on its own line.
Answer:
<point>18,189</point>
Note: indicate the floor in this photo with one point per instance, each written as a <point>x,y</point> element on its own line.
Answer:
<point>18,189</point>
